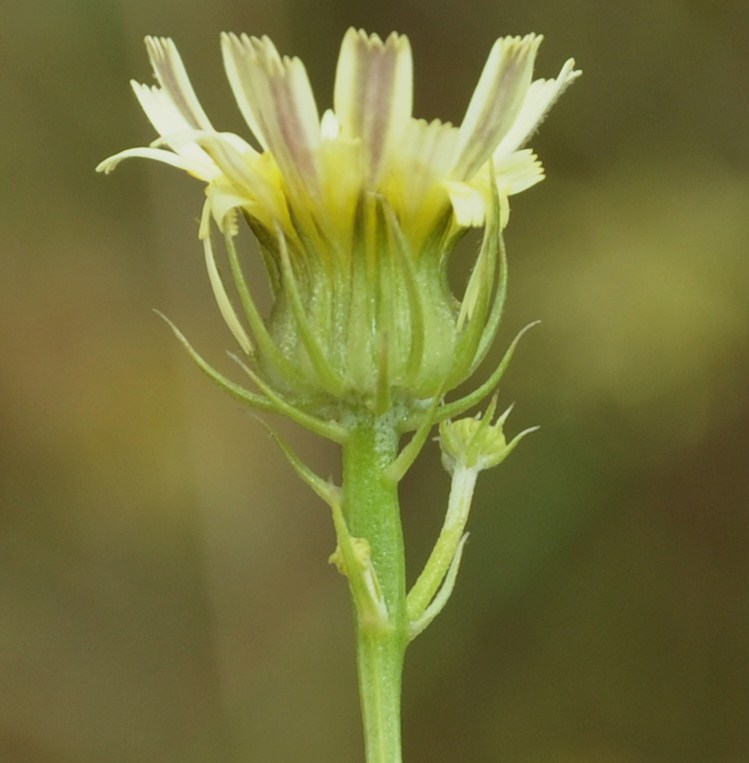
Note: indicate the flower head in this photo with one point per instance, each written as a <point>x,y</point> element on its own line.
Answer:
<point>356,210</point>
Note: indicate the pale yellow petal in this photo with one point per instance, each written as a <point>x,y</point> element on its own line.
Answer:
<point>171,74</point>
<point>419,164</point>
<point>373,94</point>
<point>542,94</point>
<point>342,163</point>
<point>468,203</point>
<point>159,108</point>
<point>203,172</point>
<point>496,102</point>
<point>276,100</point>
<point>424,155</point>
<point>518,171</point>
<point>170,123</point>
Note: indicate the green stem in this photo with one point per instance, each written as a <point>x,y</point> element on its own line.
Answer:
<point>370,502</point>
<point>448,542</point>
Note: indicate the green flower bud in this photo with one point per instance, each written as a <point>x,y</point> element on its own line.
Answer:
<point>474,443</point>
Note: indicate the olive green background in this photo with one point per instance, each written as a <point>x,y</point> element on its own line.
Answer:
<point>164,590</point>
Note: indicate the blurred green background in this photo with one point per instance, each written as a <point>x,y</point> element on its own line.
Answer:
<point>164,591</point>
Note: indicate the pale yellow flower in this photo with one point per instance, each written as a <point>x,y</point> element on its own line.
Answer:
<point>356,211</point>
<point>311,172</point>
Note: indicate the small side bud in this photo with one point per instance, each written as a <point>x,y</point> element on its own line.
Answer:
<point>475,443</point>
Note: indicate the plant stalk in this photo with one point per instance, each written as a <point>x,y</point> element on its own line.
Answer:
<point>371,510</point>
